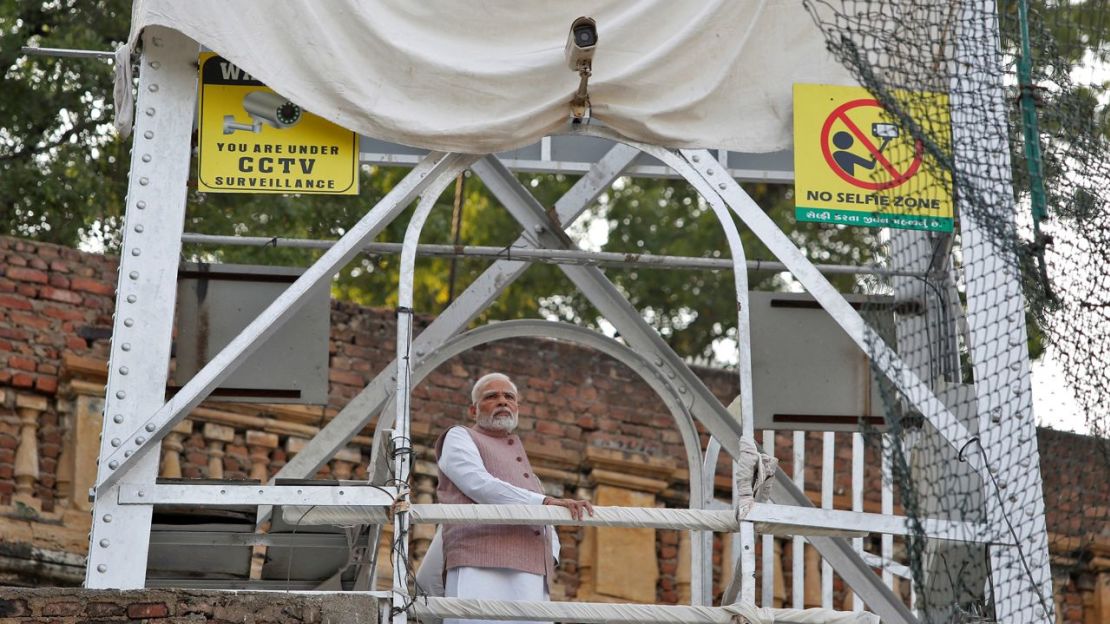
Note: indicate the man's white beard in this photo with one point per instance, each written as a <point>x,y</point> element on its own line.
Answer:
<point>500,420</point>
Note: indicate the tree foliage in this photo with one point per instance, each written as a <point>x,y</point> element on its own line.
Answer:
<point>63,172</point>
<point>63,177</point>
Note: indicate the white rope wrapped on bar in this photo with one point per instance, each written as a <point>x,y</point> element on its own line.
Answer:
<point>629,613</point>
<point>755,473</point>
<point>636,517</point>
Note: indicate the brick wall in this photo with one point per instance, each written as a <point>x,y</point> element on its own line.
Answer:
<point>50,296</point>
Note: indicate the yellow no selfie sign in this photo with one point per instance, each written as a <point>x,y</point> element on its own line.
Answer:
<point>855,165</point>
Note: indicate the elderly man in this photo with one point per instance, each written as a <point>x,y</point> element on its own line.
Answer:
<point>486,464</point>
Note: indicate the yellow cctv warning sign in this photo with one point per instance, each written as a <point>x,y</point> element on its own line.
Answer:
<point>252,140</point>
<point>855,165</point>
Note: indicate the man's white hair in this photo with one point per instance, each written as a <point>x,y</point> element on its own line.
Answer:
<point>484,380</point>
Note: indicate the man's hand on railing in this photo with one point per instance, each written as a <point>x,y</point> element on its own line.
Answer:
<point>576,507</point>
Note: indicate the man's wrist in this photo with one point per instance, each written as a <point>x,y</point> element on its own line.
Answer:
<point>545,500</point>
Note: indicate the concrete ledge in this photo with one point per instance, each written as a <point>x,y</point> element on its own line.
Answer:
<point>71,606</point>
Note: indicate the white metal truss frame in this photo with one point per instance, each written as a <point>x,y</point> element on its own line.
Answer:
<point>140,352</point>
<point>136,418</point>
<point>634,330</point>
<point>1021,576</point>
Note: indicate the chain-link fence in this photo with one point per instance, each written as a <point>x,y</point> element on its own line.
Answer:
<point>1006,108</point>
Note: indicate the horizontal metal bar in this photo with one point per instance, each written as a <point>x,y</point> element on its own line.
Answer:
<point>548,256</point>
<point>834,519</point>
<point>67,53</point>
<point>787,519</point>
<point>237,495</point>
<point>603,612</point>
<point>770,176</point>
<point>229,538</point>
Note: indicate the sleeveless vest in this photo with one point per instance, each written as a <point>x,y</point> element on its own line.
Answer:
<point>523,548</point>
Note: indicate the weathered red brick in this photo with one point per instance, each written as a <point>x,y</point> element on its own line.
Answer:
<point>58,280</point>
<point>24,320</point>
<point>14,303</point>
<point>14,334</point>
<point>65,314</point>
<point>59,266</point>
<point>23,380</point>
<point>142,610</point>
<point>38,263</point>
<point>346,377</point>
<point>47,384</point>
<point>21,363</point>
<point>24,274</point>
<point>56,294</point>
<point>65,608</point>
<point>76,343</point>
<point>103,609</point>
<point>96,287</point>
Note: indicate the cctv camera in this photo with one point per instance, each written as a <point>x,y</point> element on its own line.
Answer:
<point>271,109</point>
<point>581,43</point>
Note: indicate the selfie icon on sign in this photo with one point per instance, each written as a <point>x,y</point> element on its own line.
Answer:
<point>863,159</point>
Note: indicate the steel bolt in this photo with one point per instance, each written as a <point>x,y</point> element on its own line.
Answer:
<point>141,493</point>
<point>123,370</point>
<point>118,418</point>
<point>121,395</point>
<point>132,298</point>
<point>150,112</point>
<point>141,205</point>
<point>155,65</point>
<point>128,322</point>
<point>115,442</point>
<point>125,346</point>
<point>127,453</point>
<point>102,568</point>
<point>107,517</point>
<point>104,543</point>
<point>136,251</point>
<point>146,157</point>
<point>133,275</point>
<point>139,441</point>
<point>149,134</point>
<point>150,427</point>
<point>113,464</point>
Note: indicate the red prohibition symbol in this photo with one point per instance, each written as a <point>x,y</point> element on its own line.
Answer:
<point>897,178</point>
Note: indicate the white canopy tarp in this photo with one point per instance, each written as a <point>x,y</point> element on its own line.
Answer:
<point>488,76</point>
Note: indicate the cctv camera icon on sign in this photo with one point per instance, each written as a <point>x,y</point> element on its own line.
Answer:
<point>264,108</point>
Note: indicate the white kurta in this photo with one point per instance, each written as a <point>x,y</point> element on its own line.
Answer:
<point>461,462</point>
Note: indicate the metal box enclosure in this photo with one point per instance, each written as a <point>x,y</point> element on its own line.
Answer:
<point>216,301</point>
<point>807,373</point>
